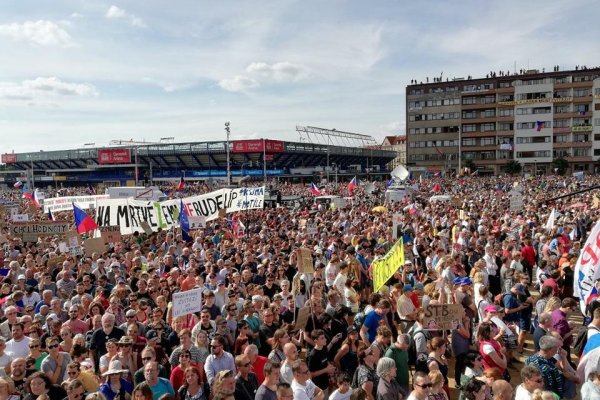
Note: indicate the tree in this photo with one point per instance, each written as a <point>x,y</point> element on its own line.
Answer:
<point>561,165</point>
<point>513,167</point>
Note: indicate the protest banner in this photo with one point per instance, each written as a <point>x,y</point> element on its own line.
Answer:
<point>130,213</point>
<point>304,261</point>
<point>187,302</point>
<point>516,200</point>
<point>302,319</point>
<point>384,268</point>
<point>110,234</point>
<point>30,231</point>
<point>146,227</point>
<point>586,269</point>
<point>3,239</point>
<point>94,245</point>
<point>76,251</point>
<point>65,203</point>
<point>442,316</point>
<point>312,229</point>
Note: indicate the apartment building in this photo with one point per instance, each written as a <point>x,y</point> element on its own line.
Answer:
<point>533,118</point>
<point>398,145</point>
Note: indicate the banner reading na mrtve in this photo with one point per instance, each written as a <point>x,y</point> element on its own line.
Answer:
<point>587,269</point>
<point>384,268</point>
<point>129,214</point>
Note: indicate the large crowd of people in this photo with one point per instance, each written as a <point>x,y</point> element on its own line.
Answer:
<point>101,326</point>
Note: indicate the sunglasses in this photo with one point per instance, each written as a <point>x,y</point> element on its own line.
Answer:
<point>34,346</point>
<point>146,358</point>
<point>425,386</point>
<point>52,346</point>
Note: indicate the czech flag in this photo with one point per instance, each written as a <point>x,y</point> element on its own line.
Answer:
<point>27,195</point>
<point>181,185</point>
<point>352,185</point>
<point>83,222</point>
<point>314,189</point>
<point>437,188</point>
<point>18,184</point>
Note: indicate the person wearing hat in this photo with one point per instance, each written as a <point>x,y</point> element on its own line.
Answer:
<point>406,308</point>
<point>115,385</point>
<point>388,388</point>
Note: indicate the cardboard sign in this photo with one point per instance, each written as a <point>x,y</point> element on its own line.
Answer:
<point>187,302</point>
<point>30,231</point>
<point>56,261</point>
<point>76,251</point>
<point>94,245</point>
<point>384,268</point>
<point>73,239</point>
<point>312,229</point>
<point>596,202</point>
<point>20,217</point>
<point>302,223</point>
<point>197,222</point>
<point>63,248</point>
<point>110,234</point>
<point>146,227</point>
<point>222,213</point>
<point>443,316</point>
<point>516,200</point>
<point>397,226</point>
<point>303,315</point>
<point>304,261</point>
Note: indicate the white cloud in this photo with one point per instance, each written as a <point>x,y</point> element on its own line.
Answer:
<point>258,73</point>
<point>239,83</point>
<point>115,12</point>
<point>278,72</point>
<point>43,33</point>
<point>45,87</point>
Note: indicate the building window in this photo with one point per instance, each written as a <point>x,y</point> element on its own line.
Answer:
<point>581,138</point>
<point>487,141</point>
<point>561,109</point>
<point>468,142</point>
<point>469,100</point>
<point>561,138</point>
<point>504,84</point>
<point>488,127</point>
<point>469,128</point>
<point>488,113</point>
<point>488,99</point>
<point>505,126</point>
<point>506,112</point>
<point>596,121</point>
<point>506,97</point>
<point>581,92</point>
<point>562,123</point>
<point>562,93</point>
<point>469,114</point>
<point>581,152</point>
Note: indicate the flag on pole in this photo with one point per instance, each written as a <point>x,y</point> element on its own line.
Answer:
<point>184,223</point>
<point>314,189</point>
<point>18,184</point>
<point>181,185</point>
<point>437,188</point>
<point>83,222</point>
<point>352,185</point>
<point>50,216</point>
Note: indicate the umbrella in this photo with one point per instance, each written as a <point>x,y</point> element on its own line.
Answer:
<point>379,209</point>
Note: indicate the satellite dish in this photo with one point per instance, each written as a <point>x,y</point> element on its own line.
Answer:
<point>400,173</point>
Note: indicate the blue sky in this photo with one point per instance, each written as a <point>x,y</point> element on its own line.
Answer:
<point>82,71</point>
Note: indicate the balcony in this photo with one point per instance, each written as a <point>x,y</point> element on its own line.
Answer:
<point>505,133</point>
<point>488,147</point>
<point>582,84</point>
<point>583,99</point>
<point>562,130</point>
<point>480,120</point>
<point>477,106</point>
<point>478,134</point>
<point>579,159</point>
<point>509,118</point>
<point>561,145</point>
<point>505,90</point>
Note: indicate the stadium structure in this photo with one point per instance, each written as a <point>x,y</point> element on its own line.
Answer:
<point>130,163</point>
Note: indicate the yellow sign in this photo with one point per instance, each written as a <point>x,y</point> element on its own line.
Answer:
<point>384,268</point>
<point>534,101</point>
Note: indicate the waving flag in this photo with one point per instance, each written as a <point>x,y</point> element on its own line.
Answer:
<point>184,223</point>
<point>83,222</point>
<point>314,189</point>
<point>586,270</point>
<point>352,185</point>
<point>437,188</point>
<point>18,184</point>
<point>389,183</point>
<point>181,185</point>
<point>27,195</point>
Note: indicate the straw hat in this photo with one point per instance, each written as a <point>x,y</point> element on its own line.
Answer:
<point>115,367</point>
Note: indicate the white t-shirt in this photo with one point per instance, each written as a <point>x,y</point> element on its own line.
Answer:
<point>18,349</point>
<point>4,361</point>
<point>522,393</point>
<point>303,392</point>
<point>336,395</point>
<point>330,274</point>
<point>488,349</point>
<point>340,282</point>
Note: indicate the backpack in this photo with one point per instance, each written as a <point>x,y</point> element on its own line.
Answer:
<point>499,299</point>
<point>420,361</point>
<point>581,339</point>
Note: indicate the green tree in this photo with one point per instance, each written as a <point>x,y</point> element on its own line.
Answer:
<point>513,167</point>
<point>561,165</point>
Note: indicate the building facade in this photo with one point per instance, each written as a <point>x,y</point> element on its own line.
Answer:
<point>532,118</point>
<point>398,145</point>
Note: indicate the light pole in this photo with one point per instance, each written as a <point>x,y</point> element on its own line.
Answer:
<point>264,161</point>
<point>459,152</point>
<point>228,166</point>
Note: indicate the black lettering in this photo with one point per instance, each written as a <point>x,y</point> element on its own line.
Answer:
<point>122,213</point>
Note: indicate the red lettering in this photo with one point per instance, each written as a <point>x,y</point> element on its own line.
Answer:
<point>593,257</point>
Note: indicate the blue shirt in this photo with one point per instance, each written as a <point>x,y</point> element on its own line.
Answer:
<point>372,323</point>
<point>509,301</point>
<point>108,392</point>
<point>162,387</point>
